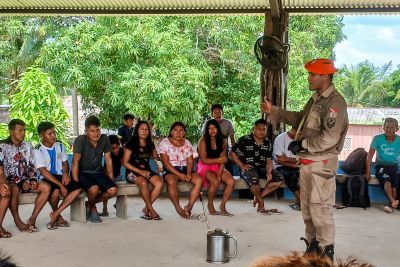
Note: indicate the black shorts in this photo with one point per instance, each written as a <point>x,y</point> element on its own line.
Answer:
<point>131,176</point>
<point>253,176</point>
<point>71,186</point>
<point>291,176</point>
<point>388,174</point>
<point>87,180</point>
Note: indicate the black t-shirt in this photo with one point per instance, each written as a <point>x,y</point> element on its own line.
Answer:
<point>116,162</point>
<point>249,152</point>
<point>91,157</point>
<point>140,159</point>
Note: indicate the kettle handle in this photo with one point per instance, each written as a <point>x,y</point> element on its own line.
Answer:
<point>235,253</point>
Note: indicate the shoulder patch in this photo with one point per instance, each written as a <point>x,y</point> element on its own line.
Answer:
<point>38,146</point>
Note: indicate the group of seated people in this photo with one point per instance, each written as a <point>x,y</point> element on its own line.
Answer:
<point>44,169</point>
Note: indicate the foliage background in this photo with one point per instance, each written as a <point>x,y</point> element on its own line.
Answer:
<point>164,69</point>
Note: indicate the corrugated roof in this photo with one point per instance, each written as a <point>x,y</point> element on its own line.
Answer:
<point>122,7</point>
<point>372,116</point>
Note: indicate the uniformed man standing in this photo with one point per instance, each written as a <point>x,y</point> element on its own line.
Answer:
<point>322,126</point>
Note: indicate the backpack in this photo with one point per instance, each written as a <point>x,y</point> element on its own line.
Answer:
<point>355,163</point>
<point>355,192</point>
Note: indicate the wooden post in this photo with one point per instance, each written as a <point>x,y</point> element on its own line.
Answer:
<point>273,83</point>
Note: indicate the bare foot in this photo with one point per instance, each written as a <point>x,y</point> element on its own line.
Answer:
<point>154,214</point>
<point>394,204</point>
<point>255,202</point>
<point>188,211</point>
<point>23,227</point>
<point>53,219</point>
<point>4,233</point>
<point>31,225</point>
<point>145,211</point>
<point>183,213</point>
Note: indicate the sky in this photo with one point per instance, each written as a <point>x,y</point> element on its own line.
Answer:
<point>372,37</point>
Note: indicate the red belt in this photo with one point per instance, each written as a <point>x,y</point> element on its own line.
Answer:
<point>309,161</point>
<point>306,161</point>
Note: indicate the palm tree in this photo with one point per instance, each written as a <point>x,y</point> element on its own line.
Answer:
<point>364,84</point>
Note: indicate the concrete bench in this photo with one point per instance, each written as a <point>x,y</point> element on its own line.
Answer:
<point>78,211</point>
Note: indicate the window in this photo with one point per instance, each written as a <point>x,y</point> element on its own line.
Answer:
<point>347,144</point>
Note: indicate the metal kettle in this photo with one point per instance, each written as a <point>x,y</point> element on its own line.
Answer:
<point>218,246</point>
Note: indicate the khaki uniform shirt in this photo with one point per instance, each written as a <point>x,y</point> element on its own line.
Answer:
<point>325,124</point>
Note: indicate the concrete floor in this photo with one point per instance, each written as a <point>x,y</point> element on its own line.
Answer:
<point>371,235</point>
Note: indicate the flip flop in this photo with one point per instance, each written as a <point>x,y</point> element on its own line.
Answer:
<point>157,218</point>
<point>225,213</point>
<point>62,224</point>
<point>275,211</point>
<point>387,209</point>
<point>32,228</point>
<point>51,226</point>
<point>5,234</point>
<point>146,217</point>
<point>264,212</point>
<point>195,217</point>
<point>217,213</point>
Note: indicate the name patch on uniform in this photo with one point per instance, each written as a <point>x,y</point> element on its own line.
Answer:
<point>333,112</point>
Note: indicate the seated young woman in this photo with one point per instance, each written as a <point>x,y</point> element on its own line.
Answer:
<point>138,151</point>
<point>211,166</point>
<point>177,157</point>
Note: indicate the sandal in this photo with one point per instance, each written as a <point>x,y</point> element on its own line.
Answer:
<point>62,224</point>
<point>225,213</point>
<point>157,218</point>
<point>51,226</point>
<point>264,212</point>
<point>387,209</point>
<point>275,211</point>
<point>146,217</point>
<point>32,228</point>
<point>5,234</point>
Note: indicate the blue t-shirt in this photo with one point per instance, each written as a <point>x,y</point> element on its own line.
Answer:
<point>386,153</point>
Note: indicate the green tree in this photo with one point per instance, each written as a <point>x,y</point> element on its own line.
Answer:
<point>121,64</point>
<point>365,85</point>
<point>21,39</point>
<point>309,37</point>
<point>37,101</point>
<point>173,68</point>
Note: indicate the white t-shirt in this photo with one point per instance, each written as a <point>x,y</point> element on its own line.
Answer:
<point>281,144</point>
<point>51,157</point>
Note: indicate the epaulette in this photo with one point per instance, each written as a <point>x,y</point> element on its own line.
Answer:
<point>38,146</point>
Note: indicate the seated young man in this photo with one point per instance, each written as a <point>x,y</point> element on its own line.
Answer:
<point>88,170</point>
<point>117,154</point>
<point>387,147</point>
<point>253,154</point>
<point>17,164</point>
<point>286,163</point>
<point>51,160</point>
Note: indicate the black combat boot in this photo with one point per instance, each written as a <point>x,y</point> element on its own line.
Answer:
<point>328,251</point>
<point>312,246</point>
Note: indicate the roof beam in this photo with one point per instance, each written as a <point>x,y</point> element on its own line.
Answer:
<point>275,6</point>
<point>188,11</point>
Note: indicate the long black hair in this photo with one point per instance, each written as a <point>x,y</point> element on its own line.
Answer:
<point>134,142</point>
<point>219,138</point>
